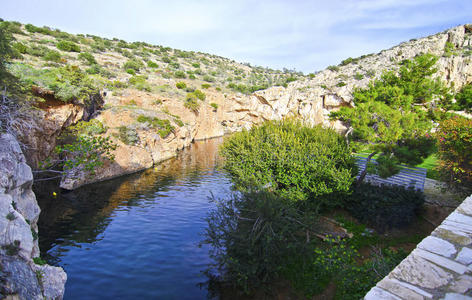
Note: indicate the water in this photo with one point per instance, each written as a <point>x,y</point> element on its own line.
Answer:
<point>135,237</point>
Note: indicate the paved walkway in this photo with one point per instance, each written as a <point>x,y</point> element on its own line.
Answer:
<point>439,268</point>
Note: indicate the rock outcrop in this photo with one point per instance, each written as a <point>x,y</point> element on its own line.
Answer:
<point>311,100</point>
<point>19,213</point>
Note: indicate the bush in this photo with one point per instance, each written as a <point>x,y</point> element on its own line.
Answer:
<point>133,64</point>
<point>164,127</point>
<point>88,58</point>
<point>152,64</point>
<point>214,105</point>
<point>129,136</point>
<point>385,207</point>
<point>20,47</point>
<point>297,162</point>
<point>139,82</point>
<point>52,55</point>
<point>208,78</point>
<point>180,74</point>
<point>199,94</point>
<point>191,102</point>
<point>205,85</point>
<point>180,85</point>
<point>454,138</point>
<point>464,98</point>
<point>131,71</point>
<point>68,46</point>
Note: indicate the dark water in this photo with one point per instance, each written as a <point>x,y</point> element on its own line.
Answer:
<point>135,237</point>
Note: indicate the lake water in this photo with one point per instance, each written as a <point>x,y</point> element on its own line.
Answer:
<point>137,236</point>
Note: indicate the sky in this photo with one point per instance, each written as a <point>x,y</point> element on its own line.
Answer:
<point>298,35</point>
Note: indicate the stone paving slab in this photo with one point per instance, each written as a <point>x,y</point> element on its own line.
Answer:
<point>439,268</point>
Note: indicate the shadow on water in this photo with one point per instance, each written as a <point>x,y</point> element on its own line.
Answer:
<point>136,235</point>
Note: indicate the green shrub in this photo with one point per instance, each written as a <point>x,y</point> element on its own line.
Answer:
<point>358,76</point>
<point>454,138</point>
<point>341,84</point>
<point>20,47</point>
<point>39,261</point>
<point>333,68</point>
<point>139,82</point>
<point>166,59</point>
<point>199,94</point>
<point>133,64</point>
<point>214,105</point>
<point>464,98</point>
<point>37,50</point>
<point>88,58</point>
<point>52,55</point>
<point>180,74</point>
<point>208,78</point>
<point>347,61</point>
<point>205,85</point>
<point>191,102</point>
<point>94,69</point>
<point>129,136</point>
<point>385,207</point>
<point>196,65</point>
<point>68,46</point>
<point>180,85</point>
<point>298,162</point>
<point>191,76</point>
<point>164,127</point>
<point>152,64</point>
<point>131,71</point>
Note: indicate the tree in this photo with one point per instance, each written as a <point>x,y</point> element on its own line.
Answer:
<point>394,112</point>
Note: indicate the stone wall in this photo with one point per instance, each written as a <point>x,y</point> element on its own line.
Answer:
<point>439,268</point>
<point>20,277</point>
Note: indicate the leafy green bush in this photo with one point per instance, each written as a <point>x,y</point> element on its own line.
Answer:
<point>464,98</point>
<point>205,85</point>
<point>199,94</point>
<point>385,207</point>
<point>88,58</point>
<point>333,68</point>
<point>196,65</point>
<point>253,235</point>
<point>298,162</point>
<point>180,85</point>
<point>191,102</point>
<point>208,78</point>
<point>180,74</point>
<point>454,138</point>
<point>152,64</point>
<point>358,76</point>
<point>52,55</point>
<point>20,47</point>
<point>68,46</point>
<point>139,82</point>
<point>133,64</point>
<point>37,50</point>
<point>214,105</point>
<point>129,136</point>
<point>164,127</point>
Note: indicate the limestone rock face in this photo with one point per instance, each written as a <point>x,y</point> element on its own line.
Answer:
<point>311,100</point>
<point>19,214</point>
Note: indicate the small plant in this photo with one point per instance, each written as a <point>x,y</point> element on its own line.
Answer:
<point>152,64</point>
<point>39,261</point>
<point>205,85</point>
<point>129,136</point>
<point>164,127</point>
<point>131,71</point>
<point>139,82</point>
<point>341,84</point>
<point>180,74</point>
<point>34,233</point>
<point>13,248</point>
<point>191,102</point>
<point>214,105</point>
<point>333,68</point>
<point>68,46</point>
<point>88,58</point>
<point>180,85</point>
<point>196,65</point>
<point>347,61</point>
<point>208,78</point>
<point>199,94</point>
<point>52,55</point>
<point>358,76</point>
<point>11,216</point>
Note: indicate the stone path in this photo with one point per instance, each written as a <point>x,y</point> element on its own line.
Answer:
<point>439,268</point>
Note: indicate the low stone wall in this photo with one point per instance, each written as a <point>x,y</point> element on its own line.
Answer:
<point>439,268</point>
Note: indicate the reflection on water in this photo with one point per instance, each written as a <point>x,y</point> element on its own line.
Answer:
<point>135,237</point>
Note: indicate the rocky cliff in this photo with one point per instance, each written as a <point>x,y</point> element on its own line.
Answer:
<point>20,276</point>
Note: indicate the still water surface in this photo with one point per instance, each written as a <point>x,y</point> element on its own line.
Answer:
<point>136,237</point>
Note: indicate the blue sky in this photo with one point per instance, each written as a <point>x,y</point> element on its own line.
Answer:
<point>302,35</point>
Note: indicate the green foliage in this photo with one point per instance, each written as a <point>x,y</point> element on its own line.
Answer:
<point>6,53</point>
<point>39,261</point>
<point>191,102</point>
<point>52,55</point>
<point>131,71</point>
<point>139,82</point>
<point>180,74</point>
<point>214,105</point>
<point>196,65</point>
<point>464,98</point>
<point>88,128</point>
<point>205,85</point>
<point>252,236</point>
<point>386,114</point>
<point>88,58</point>
<point>341,84</point>
<point>180,85</point>
<point>11,27</point>
<point>333,68</point>
<point>358,76</point>
<point>347,61</point>
<point>208,78</point>
<point>68,46</point>
<point>152,64</point>
<point>20,47</point>
<point>449,50</point>
<point>13,248</point>
<point>385,207</point>
<point>454,138</point>
<point>11,216</point>
<point>387,165</point>
<point>68,83</point>
<point>199,94</point>
<point>164,127</point>
<point>129,136</point>
<point>133,64</point>
<point>297,162</point>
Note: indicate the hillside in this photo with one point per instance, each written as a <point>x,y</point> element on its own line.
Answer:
<point>154,100</point>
